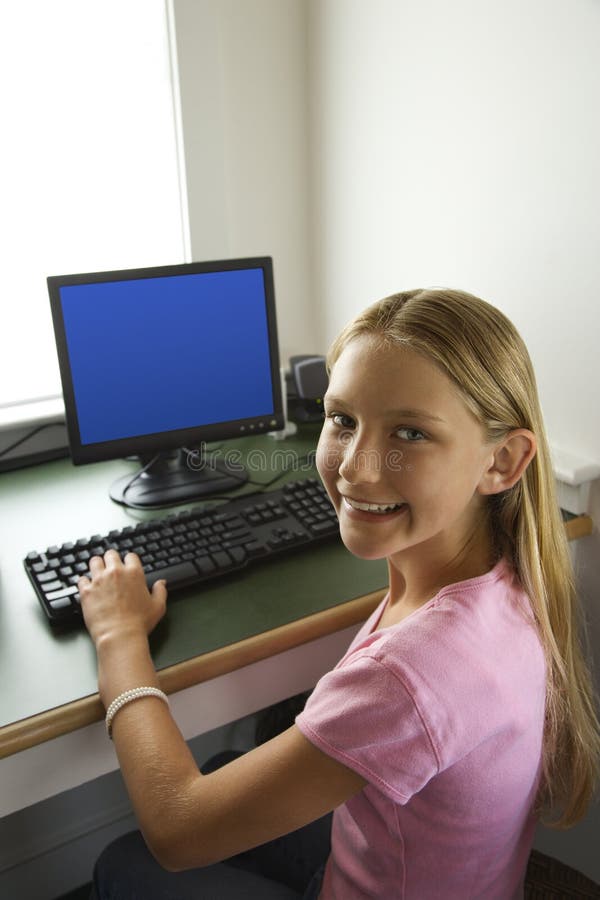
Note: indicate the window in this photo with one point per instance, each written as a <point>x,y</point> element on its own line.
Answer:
<point>89,175</point>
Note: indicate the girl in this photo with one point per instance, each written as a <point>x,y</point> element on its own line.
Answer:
<point>462,712</point>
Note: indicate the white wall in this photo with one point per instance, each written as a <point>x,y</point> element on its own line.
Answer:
<point>459,144</point>
<point>243,82</point>
<point>377,146</point>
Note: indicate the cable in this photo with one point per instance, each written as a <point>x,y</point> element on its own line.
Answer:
<point>140,472</point>
<point>30,434</point>
<point>308,457</point>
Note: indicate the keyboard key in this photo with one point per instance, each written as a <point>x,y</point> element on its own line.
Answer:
<point>222,559</point>
<point>61,603</point>
<point>238,554</point>
<point>205,565</point>
<point>176,576</point>
<point>322,527</point>
<point>63,592</point>
<point>50,586</point>
<point>45,577</point>
<point>256,548</point>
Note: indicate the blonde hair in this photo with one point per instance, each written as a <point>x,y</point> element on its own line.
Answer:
<point>480,350</point>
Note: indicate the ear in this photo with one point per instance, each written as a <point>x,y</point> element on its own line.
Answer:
<point>511,456</point>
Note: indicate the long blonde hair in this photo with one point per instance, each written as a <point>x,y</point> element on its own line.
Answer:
<point>480,350</point>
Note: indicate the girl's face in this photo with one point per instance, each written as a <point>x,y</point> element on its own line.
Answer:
<point>401,455</point>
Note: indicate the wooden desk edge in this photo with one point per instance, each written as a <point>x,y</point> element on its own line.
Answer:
<point>63,719</point>
<point>54,722</point>
<point>579,527</point>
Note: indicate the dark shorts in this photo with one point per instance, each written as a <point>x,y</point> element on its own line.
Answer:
<point>289,868</point>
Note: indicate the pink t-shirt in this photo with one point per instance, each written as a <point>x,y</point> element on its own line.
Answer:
<point>443,716</point>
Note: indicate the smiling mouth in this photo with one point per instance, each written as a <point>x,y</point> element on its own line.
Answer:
<point>380,509</point>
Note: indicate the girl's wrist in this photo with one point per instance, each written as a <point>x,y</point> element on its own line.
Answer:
<point>119,639</point>
<point>124,662</point>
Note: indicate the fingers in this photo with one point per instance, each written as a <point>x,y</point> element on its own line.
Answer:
<point>159,590</point>
<point>112,560</point>
<point>114,596</point>
<point>132,561</point>
<point>96,565</point>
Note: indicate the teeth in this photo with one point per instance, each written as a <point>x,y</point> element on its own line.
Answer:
<point>373,507</point>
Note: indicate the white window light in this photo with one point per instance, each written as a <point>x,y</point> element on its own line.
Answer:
<point>89,173</point>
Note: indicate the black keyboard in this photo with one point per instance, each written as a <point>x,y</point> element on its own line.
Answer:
<point>192,546</point>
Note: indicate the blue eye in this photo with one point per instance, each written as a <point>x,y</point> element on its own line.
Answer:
<point>410,434</point>
<point>341,420</point>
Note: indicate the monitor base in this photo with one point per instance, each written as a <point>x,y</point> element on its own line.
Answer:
<point>170,480</point>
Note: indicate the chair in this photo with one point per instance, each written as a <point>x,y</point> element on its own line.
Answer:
<point>549,879</point>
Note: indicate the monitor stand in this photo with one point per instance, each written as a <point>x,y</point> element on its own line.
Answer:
<point>179,477</point>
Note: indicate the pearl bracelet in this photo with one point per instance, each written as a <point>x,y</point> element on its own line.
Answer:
<point>126,697</point>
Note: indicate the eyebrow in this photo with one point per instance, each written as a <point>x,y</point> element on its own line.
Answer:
<point>393,413</point>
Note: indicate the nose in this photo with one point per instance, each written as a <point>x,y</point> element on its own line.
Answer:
<point>361,462</point>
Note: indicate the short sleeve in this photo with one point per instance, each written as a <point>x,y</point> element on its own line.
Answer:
<point>362,715</point>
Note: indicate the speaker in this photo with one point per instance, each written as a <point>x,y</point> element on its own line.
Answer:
<point>306,383</point>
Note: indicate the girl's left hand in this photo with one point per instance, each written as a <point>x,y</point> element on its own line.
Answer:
<point>116,600</point>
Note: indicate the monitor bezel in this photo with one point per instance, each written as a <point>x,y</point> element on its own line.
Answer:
<point>148,444</point>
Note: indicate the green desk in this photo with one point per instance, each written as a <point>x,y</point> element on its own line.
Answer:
<point>49,677</point>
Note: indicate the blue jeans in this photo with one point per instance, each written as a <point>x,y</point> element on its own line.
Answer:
<point>288,868</point>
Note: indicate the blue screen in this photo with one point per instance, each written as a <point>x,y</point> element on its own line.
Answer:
<point>166,353</point>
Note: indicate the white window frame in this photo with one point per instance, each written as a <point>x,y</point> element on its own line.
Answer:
<point>19,419</point>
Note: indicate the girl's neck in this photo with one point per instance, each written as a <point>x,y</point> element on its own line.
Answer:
<point>417,575</point>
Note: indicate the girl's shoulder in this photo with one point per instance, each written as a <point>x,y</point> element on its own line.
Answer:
<point>466,624</point>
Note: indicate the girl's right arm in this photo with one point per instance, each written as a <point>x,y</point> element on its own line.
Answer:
<point>189,819</point>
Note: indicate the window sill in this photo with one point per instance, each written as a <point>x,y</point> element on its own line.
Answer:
<point>32,413</point>
<point>28,435</point>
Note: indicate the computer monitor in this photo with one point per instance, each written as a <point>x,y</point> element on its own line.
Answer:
<point>166,359</point>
